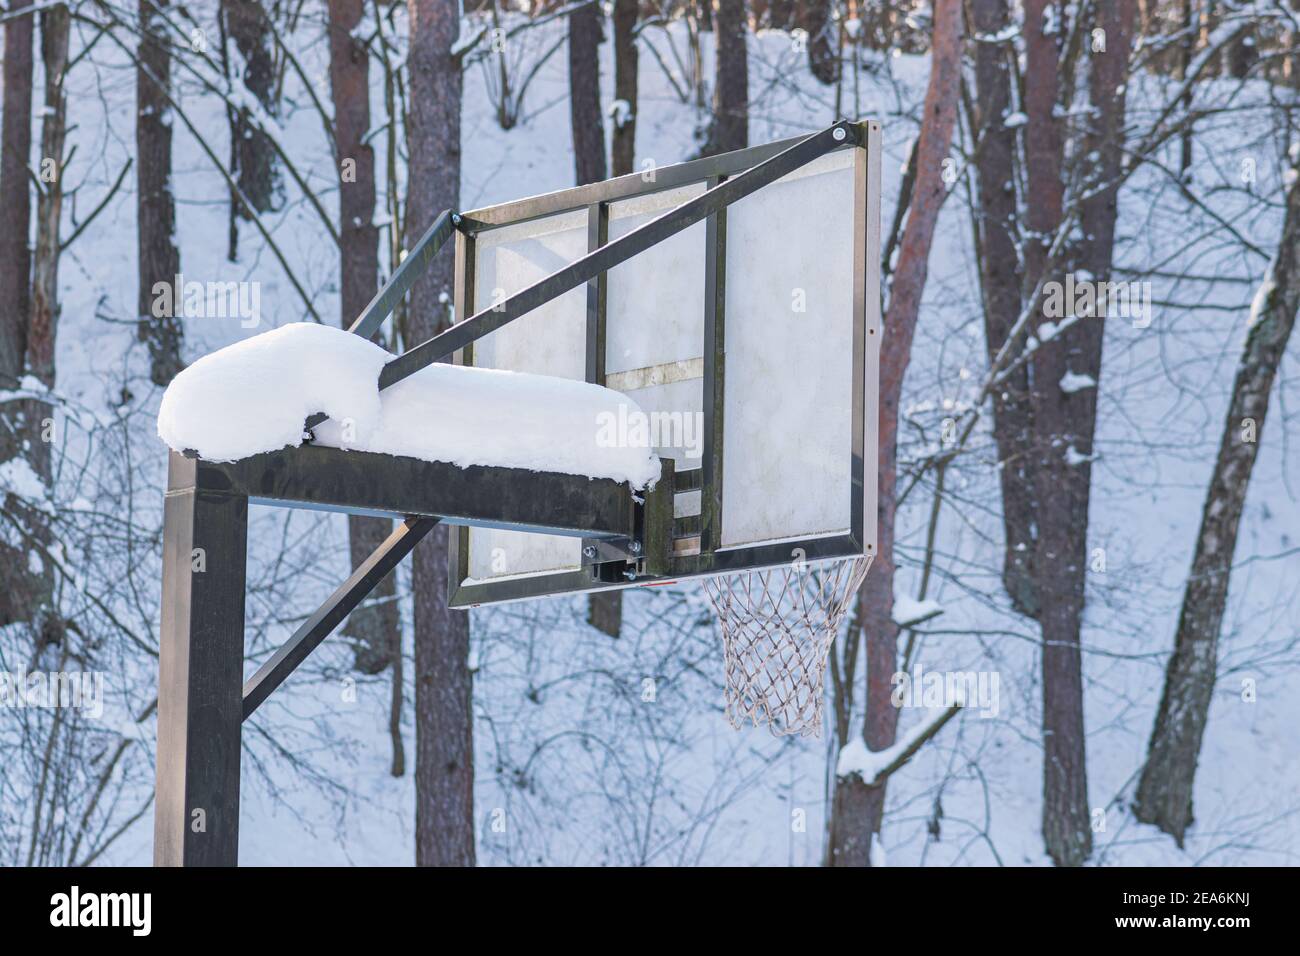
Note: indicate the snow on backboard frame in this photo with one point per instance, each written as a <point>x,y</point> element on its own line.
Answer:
<point>750,340</point>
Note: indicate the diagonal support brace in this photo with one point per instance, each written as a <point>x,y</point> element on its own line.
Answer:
<point>331,614</point>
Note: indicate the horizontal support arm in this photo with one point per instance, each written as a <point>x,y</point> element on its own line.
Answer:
<point>517,499</point>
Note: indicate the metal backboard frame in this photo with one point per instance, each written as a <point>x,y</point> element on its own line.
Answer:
<point>696,540</point>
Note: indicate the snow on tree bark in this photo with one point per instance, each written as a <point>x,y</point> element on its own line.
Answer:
<point>857,808</point>
<point>444,758</point>
<point>1164,792</point>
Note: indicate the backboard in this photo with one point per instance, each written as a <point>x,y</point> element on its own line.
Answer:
<point>747,345</point>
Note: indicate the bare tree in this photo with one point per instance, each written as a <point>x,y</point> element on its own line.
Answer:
<point>998,237</point>
<point>1164,793</point>
<point>247,23</point>
<point>859,804</point>
<point>444,749</point>
<point>584,94</point>
<point>159,258</point>
<point>55,23</point>
<point>26,591</point>
<point>814,17</point>
<point>375,627</point>
<point>1065,419</point>
<point>623,146</point>
<point>730,124</point>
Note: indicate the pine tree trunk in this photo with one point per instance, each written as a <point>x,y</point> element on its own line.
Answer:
<point>1057,561</point>
<point>623,147</point>
<point>444,749</point>
<point>26,591</point>
<point>814,17</point>
<point>375,627</point>
<point>1065,422</point>
<point>857,808</point>
<point>1164,793</point>
<point>730,128</point>
<point>584,95</point>
<point>248,25</point>
<point>15,199</point>
<point>1000,281</point>
<point>49,203</point>
<point>159,259</point>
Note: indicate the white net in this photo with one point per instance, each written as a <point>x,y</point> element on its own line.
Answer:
<point>777,629</point>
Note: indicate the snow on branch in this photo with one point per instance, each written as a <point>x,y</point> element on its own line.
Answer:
<point>875,766</point>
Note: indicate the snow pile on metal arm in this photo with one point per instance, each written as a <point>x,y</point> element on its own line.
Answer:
<point>254,397</point>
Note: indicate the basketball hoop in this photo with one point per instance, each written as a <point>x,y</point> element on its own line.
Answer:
<point>777,629</point>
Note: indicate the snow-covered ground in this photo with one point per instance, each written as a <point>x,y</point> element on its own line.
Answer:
<point>592,750</point>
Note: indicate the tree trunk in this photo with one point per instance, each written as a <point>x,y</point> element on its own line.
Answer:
<point>584,95</point>
<point>623,148</point>
<point>857,808</point>
<point>444,750</point>
<point>49,203</point>
<point>814,17</point>
<point>248,24</point>
<point>1164,793</point>
<point>375,627</point>
<point>781,14</point>
<point>159,259</point>
<point>605,612</point>
<point>26,591</point>
<point>730,128</point>
<point>1065,800</point>
<point>1065,422</point>
<point>1001,280</point>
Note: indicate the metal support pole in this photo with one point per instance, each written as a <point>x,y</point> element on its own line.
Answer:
<point>201,662</point>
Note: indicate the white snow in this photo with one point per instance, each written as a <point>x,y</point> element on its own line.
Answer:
<point>1262,294</point>
<point>855,760</point>
<point>1072,382</point>
<point>620,111</point>
<point>254,397</point>
<point>18,478</point>
<point>1050,330</point>
<point>1074,457</point>
<point>909,611</point>
<point>1015,120</point>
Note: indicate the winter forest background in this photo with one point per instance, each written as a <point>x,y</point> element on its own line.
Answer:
<point>1098,512</point>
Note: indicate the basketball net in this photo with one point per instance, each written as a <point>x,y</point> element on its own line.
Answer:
<point>777,629</point>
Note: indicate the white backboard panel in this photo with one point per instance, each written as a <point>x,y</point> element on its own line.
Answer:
<point>789,320</point>
<point>753,337</point>
<point>654,325</point>
<point>548,341</point>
